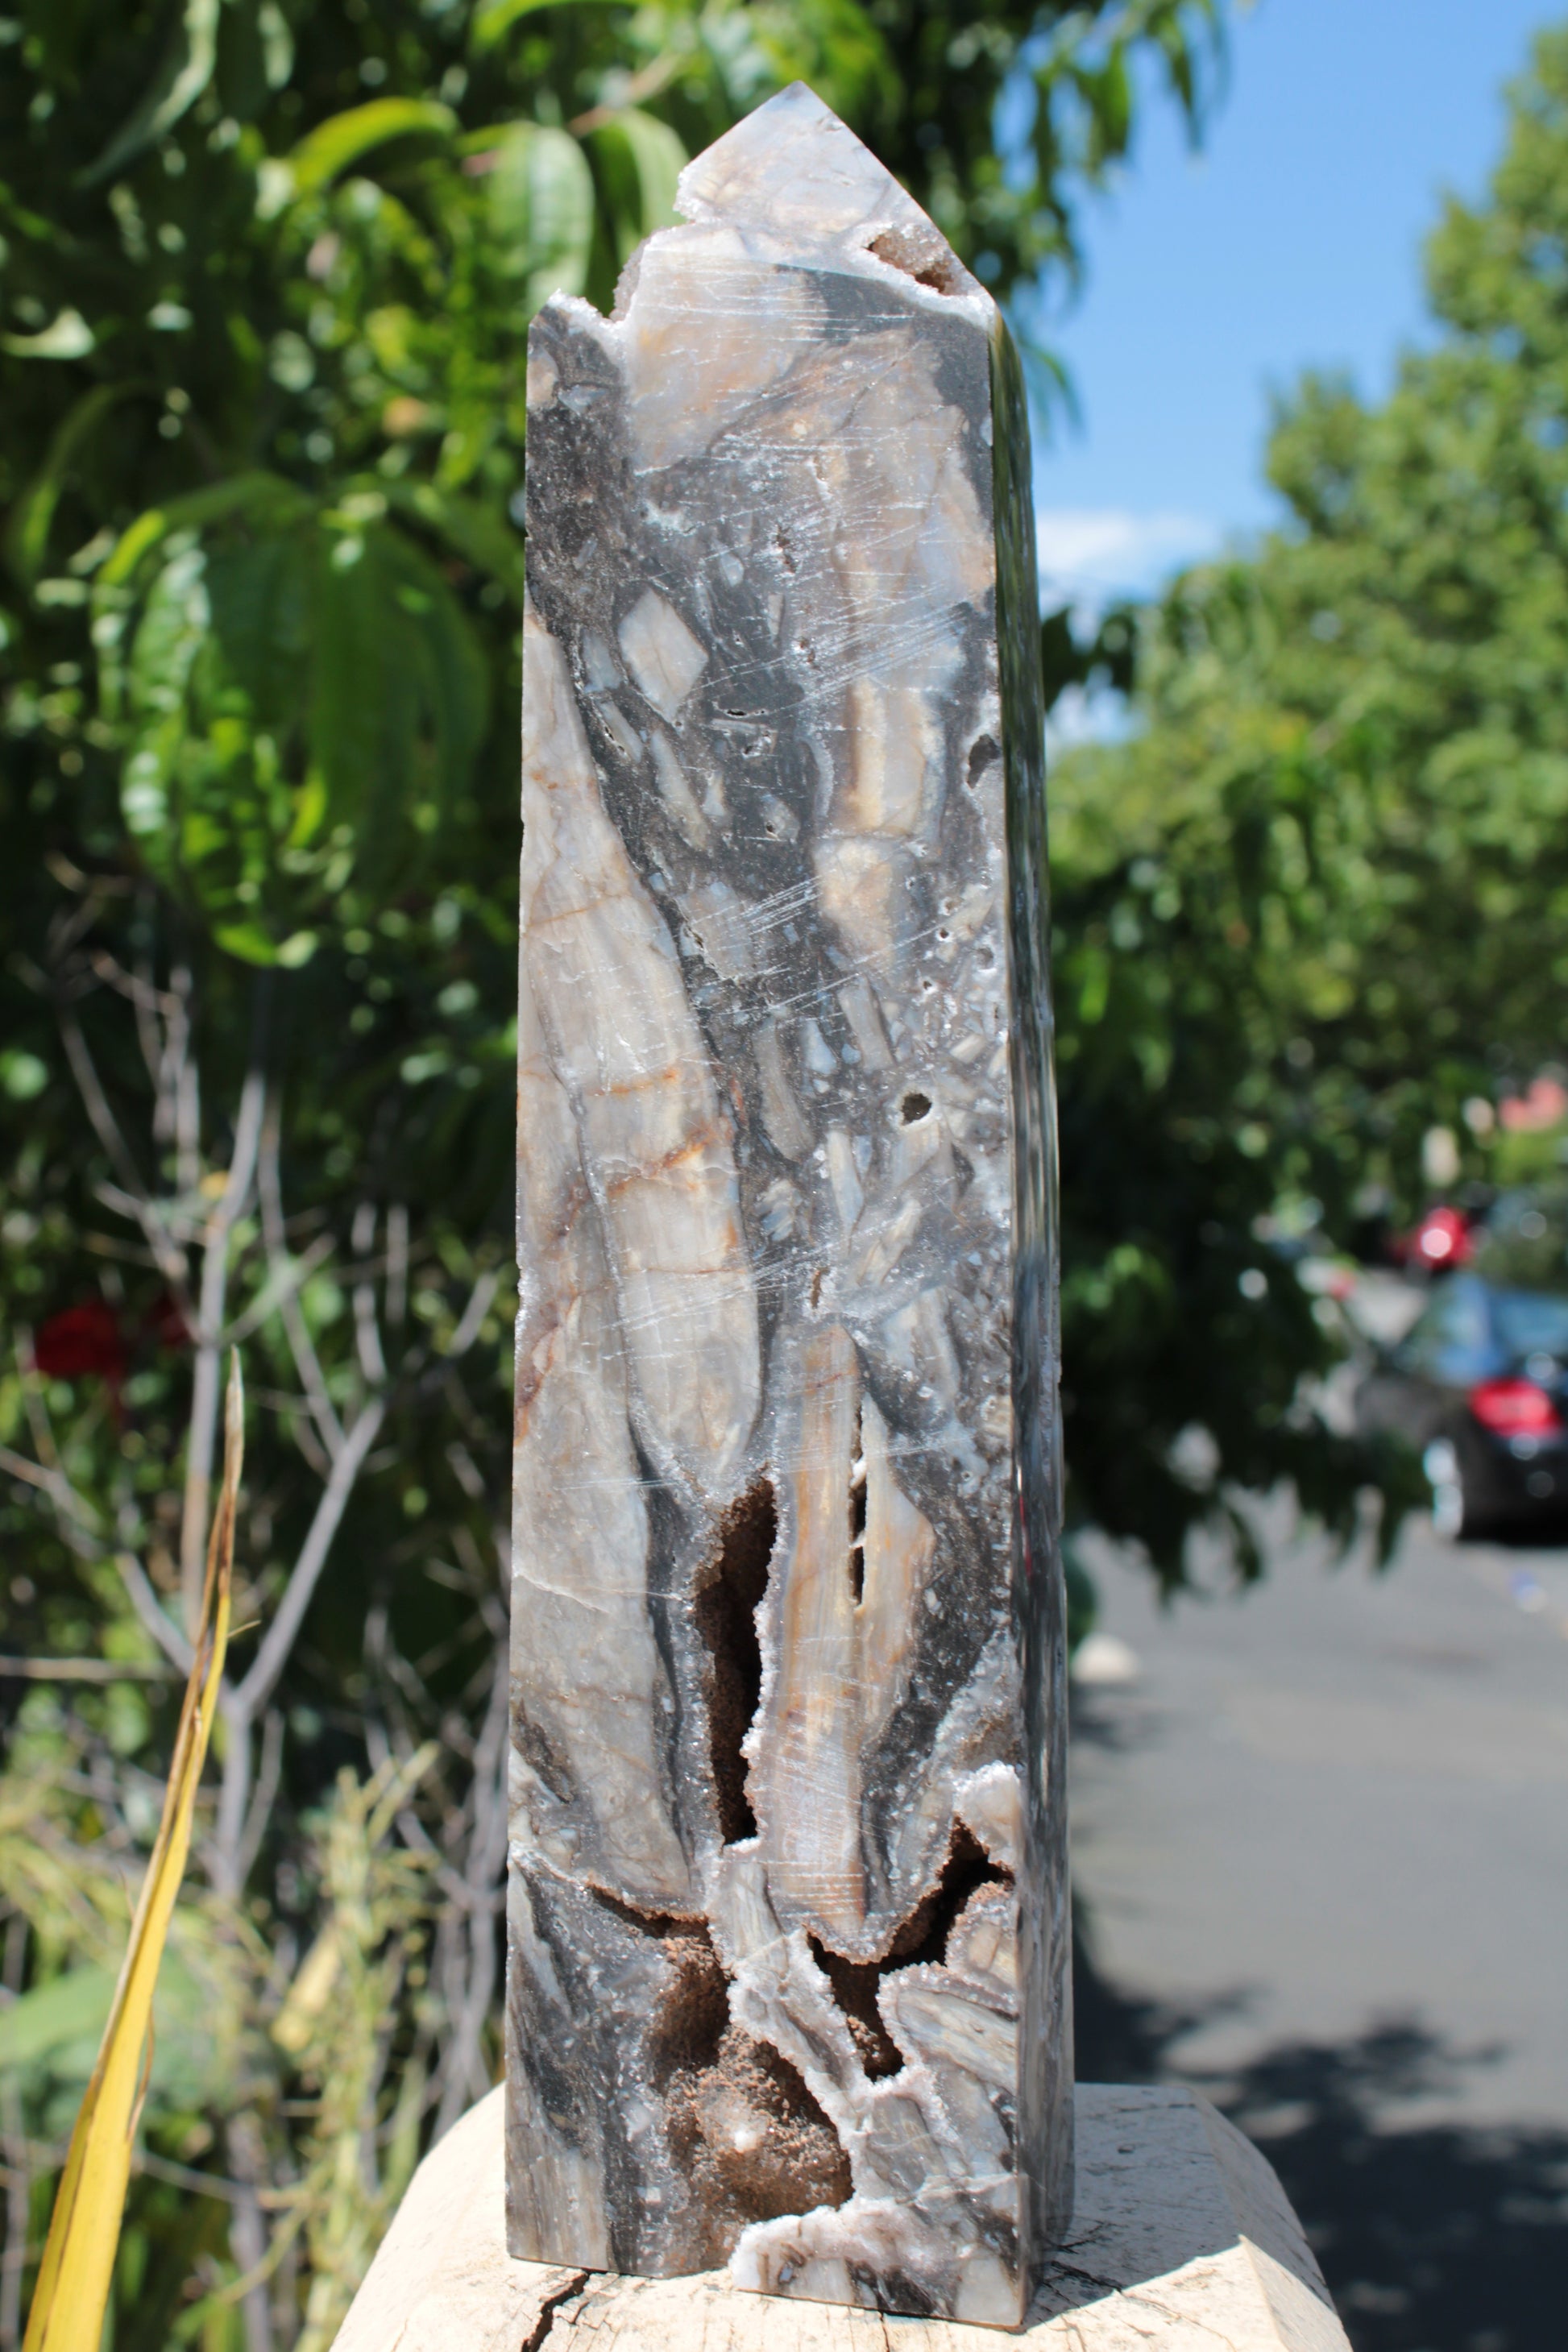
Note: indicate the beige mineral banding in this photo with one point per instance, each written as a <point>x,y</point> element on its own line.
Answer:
<point>787,1918</point>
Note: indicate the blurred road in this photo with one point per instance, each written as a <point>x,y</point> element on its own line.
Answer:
<point>1321,1855</point>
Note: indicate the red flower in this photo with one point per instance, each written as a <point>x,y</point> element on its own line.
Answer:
<point>79,1341</point>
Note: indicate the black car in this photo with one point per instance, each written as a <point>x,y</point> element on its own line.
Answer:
<point>1479,1386</point>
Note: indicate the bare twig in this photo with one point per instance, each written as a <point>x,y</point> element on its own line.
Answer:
<point>147,1005</point>
<point>86,1670</point>
<point>259,1810</point>
<point>247,2233</point>
<point>474,1313</point>
<point>284,1275</point>
<point>367,1333</point>
<point>80,1531</point>
<point>269,1660</point>
<point>145,1600</point>
<point>106,1127</point>
<point>184,1082</point>
<point>397,1265</point>
<point>647,82</point>
<point>307,1364</point>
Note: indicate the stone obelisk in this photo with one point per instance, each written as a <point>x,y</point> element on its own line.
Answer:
<point>788,1915</point>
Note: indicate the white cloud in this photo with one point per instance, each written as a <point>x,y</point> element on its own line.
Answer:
<point>1089,556</point>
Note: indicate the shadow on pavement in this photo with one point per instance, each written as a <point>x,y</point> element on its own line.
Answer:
<point>1433,2238</point>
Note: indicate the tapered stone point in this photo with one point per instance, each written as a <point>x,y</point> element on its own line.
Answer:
<point>788,1914</point>
<point>794,169</point>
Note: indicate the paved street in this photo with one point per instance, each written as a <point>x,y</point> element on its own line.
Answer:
<point>1320,1846</point>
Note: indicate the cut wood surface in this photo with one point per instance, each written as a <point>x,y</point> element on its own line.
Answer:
<point>1183,2241</point>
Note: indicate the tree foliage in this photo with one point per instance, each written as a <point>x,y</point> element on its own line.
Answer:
<point>1318,902</point>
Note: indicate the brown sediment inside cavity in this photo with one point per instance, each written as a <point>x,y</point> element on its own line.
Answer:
<point>725,1611</point>
<point>751,2141</point>
<point>921,253</point>
<point>744,2131</point>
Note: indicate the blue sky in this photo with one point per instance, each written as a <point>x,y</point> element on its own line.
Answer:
<point>1292,240</point>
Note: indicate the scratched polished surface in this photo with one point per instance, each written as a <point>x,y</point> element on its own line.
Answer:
<point>787,1911</point>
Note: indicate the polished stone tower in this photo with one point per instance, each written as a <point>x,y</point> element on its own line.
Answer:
<point>788,1929</point>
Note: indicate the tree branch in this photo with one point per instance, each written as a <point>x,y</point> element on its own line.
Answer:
<point>367,1333</point>
<point>106,1127</point>
<point>260,1805</point>
<point>145,1600</point>
<point>307,1364</point>
<point>474,1313</point>
<point>272,1657</point>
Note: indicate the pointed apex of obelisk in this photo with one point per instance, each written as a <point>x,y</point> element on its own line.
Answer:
<point>794,169</point>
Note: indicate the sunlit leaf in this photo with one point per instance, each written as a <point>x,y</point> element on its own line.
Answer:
<point>640,160</point>
<point>471,528</point>
<point>186,70</point>
<point>304,692</point>
<point>51,2034</point>
<point>26,539</point>
<point>258,494</point>
<point>492,18</point>
<point>541,202</point>
<point>342,140</point>
<point>68,337</point>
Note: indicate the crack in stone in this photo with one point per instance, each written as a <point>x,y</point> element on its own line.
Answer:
<point>921,1940</point>
<point>725,1610</point>
<point>858,1509</point>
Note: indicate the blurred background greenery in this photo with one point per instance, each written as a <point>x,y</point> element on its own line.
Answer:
<point>266,273</point>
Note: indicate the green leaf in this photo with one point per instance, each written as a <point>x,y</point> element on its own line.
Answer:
<point>276,44</point>
<point>474,531</point>
<point>540,196</point>
<point>640,159</point>
<point>304,696</point>
<point>258,493</point>
<point>186,70</point>
<point>399,692</point>
<point>492,18</point>
<point>26,539</point>
<point>50,2036</point>
<point>52,2017</point>
<point>68,337</point>
<point>342,139</point>
<point>248,943</point>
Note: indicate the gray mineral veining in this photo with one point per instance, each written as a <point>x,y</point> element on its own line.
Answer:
<point>787,1907</point>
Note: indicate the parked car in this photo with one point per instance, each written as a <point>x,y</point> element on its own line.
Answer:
<point>1479,1386</point>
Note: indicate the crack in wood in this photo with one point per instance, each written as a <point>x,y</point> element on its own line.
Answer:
<point>550,2307</point>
